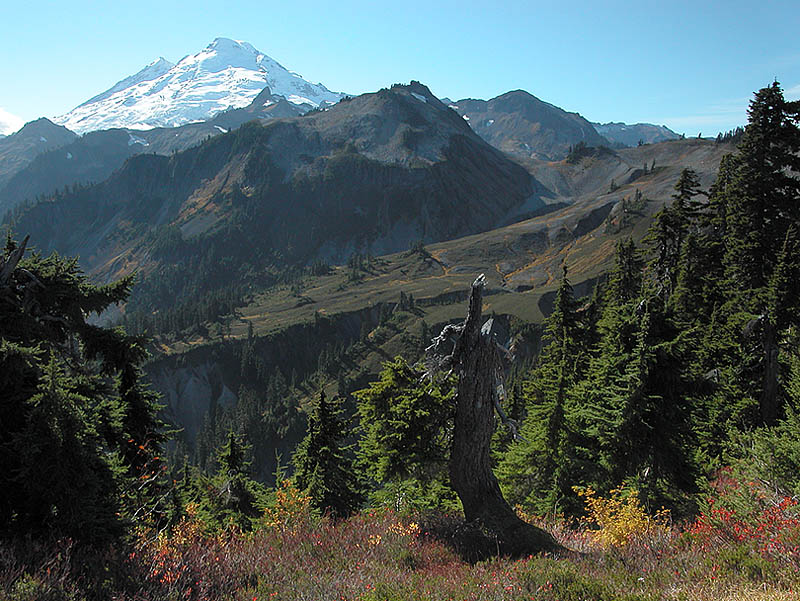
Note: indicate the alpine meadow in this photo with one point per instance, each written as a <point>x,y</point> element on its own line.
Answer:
<point>263,340</point>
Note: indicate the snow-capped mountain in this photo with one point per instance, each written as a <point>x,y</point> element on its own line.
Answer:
<point>226,74</point>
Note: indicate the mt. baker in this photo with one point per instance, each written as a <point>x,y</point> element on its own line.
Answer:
<point>226,74</point>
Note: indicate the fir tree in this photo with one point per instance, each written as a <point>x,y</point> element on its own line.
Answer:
<point>537,469</point>
<point>231,496</point>
<point>669,229</point>
<point>764,195</point>
<point>80,443</point>
<point>406,428</point>
<point>323,469</point>
<point>625,279</point>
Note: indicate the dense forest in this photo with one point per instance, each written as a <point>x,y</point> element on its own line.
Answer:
<point>657,431</point>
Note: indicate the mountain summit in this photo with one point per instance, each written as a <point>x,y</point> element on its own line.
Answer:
<point>226,74</point>
<point>525,127</point>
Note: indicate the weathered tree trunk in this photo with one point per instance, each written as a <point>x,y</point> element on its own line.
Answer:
<point>477,360</point>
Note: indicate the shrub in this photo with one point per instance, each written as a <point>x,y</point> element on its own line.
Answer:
<point>748,514</point>
<point>620,518</point>
<point>290,511</point>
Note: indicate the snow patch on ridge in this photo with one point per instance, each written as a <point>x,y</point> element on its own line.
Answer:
<point>137,140</point>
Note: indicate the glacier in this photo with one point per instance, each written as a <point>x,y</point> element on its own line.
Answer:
<point>226,74</point>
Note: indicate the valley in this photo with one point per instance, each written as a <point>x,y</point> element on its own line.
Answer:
<point>399,197</point>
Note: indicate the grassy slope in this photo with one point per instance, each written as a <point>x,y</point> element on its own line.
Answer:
<point>522,261</point>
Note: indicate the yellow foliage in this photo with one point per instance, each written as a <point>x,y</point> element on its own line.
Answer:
<point>621,518</point>
<point>400,529</point>
<point>292,508</point>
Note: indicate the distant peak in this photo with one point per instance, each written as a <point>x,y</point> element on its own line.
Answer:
<point>225,74</point>
<point>161,61</point>
<point>228,43</point>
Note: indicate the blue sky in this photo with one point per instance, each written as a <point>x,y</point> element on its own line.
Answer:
<point>689,65</point>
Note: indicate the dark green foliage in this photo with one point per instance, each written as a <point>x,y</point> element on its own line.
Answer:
<point>763,195</point>
<point>625,279</point>
<point>324,470</point>
<point>539,469</point>
<point>641,410</point>
<point>669,230</point>
<point>771,455</point>
<point>79,438</point>
<point>682,355</point>
<point>406,424</point>
<point>734,135</point>
<point>580,151</point>
<point>230,496</point>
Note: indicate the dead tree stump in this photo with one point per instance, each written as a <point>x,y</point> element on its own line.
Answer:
<point>478,360</point>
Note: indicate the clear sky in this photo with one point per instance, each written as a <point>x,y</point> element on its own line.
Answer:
<point>690,65</point>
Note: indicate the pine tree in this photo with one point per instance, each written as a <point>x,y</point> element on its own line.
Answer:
<point>324,471</point>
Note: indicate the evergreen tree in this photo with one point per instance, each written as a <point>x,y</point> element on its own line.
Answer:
<point>323,469</point>
<point>669,229</point>
<point>625,279</point>
<point>80,443</point>
<point>538,470</point>
<point>686,188</point>
<point>764,196</point>
<point>231,496</point>
<point>646,413</point>
<point>636,416</point>
<point>406,426</point>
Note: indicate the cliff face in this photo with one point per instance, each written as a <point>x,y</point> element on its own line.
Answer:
<point>188,393</point>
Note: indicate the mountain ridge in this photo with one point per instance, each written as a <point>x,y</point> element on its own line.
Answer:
<point>627,134</point>
<point>519,123</point>
<point>22,147</point>
<point>371,174</point>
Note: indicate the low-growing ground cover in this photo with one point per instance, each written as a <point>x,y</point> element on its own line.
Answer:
<point>736,549</point>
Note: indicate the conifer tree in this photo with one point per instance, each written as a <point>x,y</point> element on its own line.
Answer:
<point>231,495</point>
<point>645,424</point>
<point>764,196</point>
<point>625,279</point>
<point>637,414</point>
<point>669,229</point>
<point>323,469</point>
<point>80,443</point>
<point>686,189</point>
<point>406,426</point>
<point>537,469</point>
